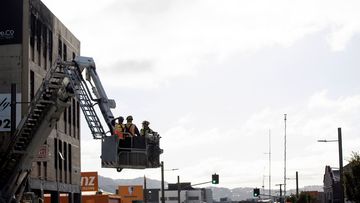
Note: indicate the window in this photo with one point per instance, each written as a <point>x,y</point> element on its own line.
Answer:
<point>39,169</point>
<point>32,35</point>
<point>50,46</point>
<point>69,118</point>
<point>65,52</point>
<point>193,198</point>
<point>173,198</point>
<point>32,29</point>
<point>65,160</point>
<point>74,117</point>
<point>32,85</point>
<point>60,48</point>
<point>60,155</point>
<point>65,155</point>
<point>38,40</point>
<point>55,153</point>
<point>65,121</point>
<point>45,170</point>
<point>45,44</point>
<point>78,119</point>
<point>70,161</point>
<point>56,156</point>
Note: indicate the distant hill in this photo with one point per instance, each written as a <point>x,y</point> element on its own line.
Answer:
<point>236,194</point>
<point>244,193</point>
<point>110,185</point>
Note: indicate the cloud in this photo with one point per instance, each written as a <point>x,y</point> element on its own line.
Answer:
<point>131,66</point>
<point>241,150</point>
<point>143,45</point>
<point>182,37</point>
<point>238,154</point>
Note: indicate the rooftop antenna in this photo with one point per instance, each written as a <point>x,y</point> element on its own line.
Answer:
<point>285,159</point>
<point>270,162</point>
<point>263,185</point>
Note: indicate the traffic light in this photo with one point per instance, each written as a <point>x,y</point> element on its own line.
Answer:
<point>215,179</point>
<point>256,192</point>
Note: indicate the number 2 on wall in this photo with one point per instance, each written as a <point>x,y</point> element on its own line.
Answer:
<point>5,123</point>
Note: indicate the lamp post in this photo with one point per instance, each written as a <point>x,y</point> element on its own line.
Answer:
<point>339,140</point>
<point>179,188</point>
<point>162,180</point>
<point>280,195</point>
<point>297,183</point>
<point>285,159</point>
<point>162,183</point>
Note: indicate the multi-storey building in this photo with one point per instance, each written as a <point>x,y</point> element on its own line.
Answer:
<point>188,194</point>
<point>31,40</point>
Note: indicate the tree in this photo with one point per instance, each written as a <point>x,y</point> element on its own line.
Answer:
<point>352,178</point>
<point>292,198</point>
<point>306,197</point>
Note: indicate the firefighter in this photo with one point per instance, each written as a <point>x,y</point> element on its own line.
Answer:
<point>113,123</point>
<point>146,130</point>
<point>120,128</point>
<point>130,127</point>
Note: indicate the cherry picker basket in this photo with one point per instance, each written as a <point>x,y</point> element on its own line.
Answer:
<point>138,152</point>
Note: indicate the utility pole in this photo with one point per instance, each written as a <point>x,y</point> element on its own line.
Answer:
<point>297,185</point>
<point>145,190</point>
<point>285,158</point>
<point>341,167</point>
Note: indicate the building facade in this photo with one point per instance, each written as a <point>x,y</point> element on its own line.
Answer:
<point>188,194</point>
<point>32,38</point>
<point>331,185</point>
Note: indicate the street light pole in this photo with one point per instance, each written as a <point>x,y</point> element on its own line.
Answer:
<point>162,183</point>
<point>341,167</point>
<point>285,159</point>
<point>339,140</point>
<point>162,198</point>
<point>280,196</point>
<point>145,190</point>
<point>297,184</point>
<point>179,188</point>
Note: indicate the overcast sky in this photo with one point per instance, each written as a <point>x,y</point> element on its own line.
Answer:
<point>213,77</point>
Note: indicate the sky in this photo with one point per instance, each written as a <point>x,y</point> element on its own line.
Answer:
<point>215,79</point>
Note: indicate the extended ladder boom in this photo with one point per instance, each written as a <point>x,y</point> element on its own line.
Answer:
<point>85,96</point>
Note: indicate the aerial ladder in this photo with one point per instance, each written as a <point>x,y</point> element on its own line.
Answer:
<point>63,82</point>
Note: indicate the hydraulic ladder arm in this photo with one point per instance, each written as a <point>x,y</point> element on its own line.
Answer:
<point>48,104</point>
<point>63,82</point>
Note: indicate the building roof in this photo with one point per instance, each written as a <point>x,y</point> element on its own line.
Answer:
<point>183,186</point>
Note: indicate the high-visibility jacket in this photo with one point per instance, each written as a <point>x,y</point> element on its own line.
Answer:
<point>132,129</point>
<point>119,130</point>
